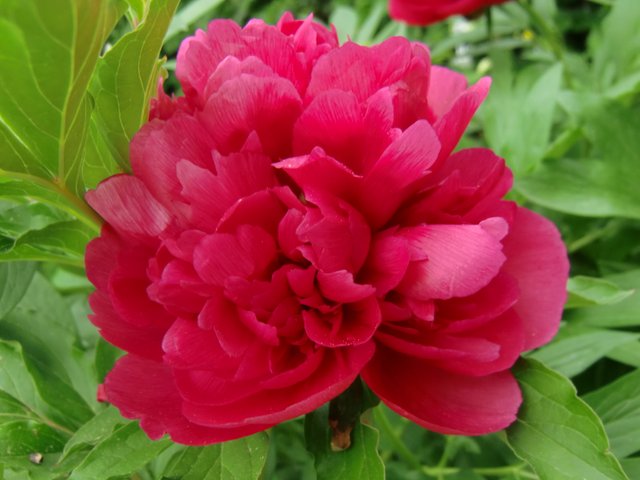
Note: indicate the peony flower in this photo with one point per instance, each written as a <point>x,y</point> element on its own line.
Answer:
<point>426,12</point>
<point>298,219</point>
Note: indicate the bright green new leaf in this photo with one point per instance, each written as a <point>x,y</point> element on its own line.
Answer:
<point>242,459</point>
<point>15,278</point>
<point>589,291</point>
<point>576,348</point>
<point>125,80</point>
<point>49,50</point>
<point>623,314</point>
<point>123,452</point>
<point>556,432</point>
<point>618,405</point>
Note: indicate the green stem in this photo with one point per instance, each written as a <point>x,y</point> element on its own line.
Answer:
<point>398,445</point>
<point>440,470</point>
<point>610,227</point>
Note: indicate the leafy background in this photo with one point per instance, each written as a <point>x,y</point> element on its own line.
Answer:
<point>76,77</point>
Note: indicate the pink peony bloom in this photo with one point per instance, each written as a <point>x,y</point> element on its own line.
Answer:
<point>426,12</point>
<point>299,218</point>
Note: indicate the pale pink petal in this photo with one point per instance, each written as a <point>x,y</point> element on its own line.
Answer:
<point>461,259</point>
<point>127,205</point>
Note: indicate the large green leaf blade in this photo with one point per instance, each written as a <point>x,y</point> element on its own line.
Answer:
<point>242,459</point>
<point>604,183</point>
<point>576,348</point>
<point>618,405</point>
<point>123,452</point>
<point>49,53</point>
<point>126,78</point>
<point>15,278</point>
<point>625,313</point>
<point>16,381</point>
<point>43,324</point>
<point>556,432</point>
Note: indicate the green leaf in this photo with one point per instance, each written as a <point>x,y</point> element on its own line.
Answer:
<point>123,452</point>
<point>34,189</point>
<point>44,326</point>
<point>345,19</point>
<point>631,467</point>
<point>618,406</point>
<point>590,291</point>
<point>616,45</point>
<point>603,184</point>
<point>49,50</point>
<point>94,431</point>
<point>63,242</point>
<point>242,459</point>
<point>15,278</point>
<point>577,348</point>
<point>17,382</point>
<point>106,356</point>
<point>556,432</point>
<point>361,460</point>
<point>518,117</point>
<point>629,354</point>
<point>623,314</point>
<point>125,80</point>
<point>23,432</point>
<point>188,15</point>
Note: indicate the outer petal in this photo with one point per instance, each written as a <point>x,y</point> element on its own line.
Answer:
<point>443,401</point>
<point>452,124</point>
<point>335,373</point>
<point>126,204</point>
<point>425,12</point>
<point>145,389</point>
<point>144,341</point>
<point>537,258</point>
<point>158,147</point>
<point>461,259</point>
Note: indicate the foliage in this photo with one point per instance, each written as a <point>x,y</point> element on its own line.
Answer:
<point>76,77</point>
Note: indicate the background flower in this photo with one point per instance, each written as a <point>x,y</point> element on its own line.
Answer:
<point>425,12</point>
<point>299,219</point>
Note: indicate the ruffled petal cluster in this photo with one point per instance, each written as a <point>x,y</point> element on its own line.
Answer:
<point>426,12</point>
<point>299,218</point>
